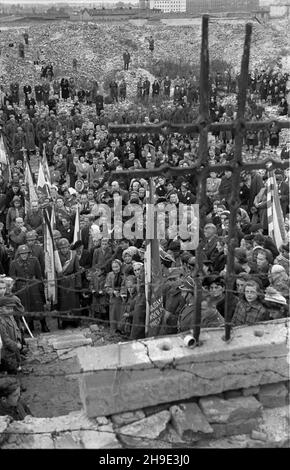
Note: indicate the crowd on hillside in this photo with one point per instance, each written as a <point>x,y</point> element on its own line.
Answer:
<point>102,275</point>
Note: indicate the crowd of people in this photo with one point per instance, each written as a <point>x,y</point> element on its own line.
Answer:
<point>102,274</point>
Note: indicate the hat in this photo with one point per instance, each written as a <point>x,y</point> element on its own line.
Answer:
<point>117,261</point>
<point>277,268</point>
<point>63,243</point>
<point>127,252</point>
<point>31,235</point>
<point>272,295</point>
<point>8,385</point>
<point>72,191</point>
<point>188,285</point>
<point>16,198</point>
<point>23,249</point>
<point>56,234</point>
<point>185,256</point>
<point>166,256</point>
<point>77,245</point>
<point>174,273</point>
<point>137,264</point>
<point>215,280</point>
<point>255,227</point>
<point>241,255</point>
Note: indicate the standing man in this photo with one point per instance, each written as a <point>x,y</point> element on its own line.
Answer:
<point>46,90</point>
<point>155,89</point>
<point>146,90</point>
<point>38,90</point>
<point>26,271</point>
<point>69,283</point>
<point>114,90</point>
<point>21,50</point>
<point>34,219</point>
<point>25,36</point>
<point>140,89</point>
<point>27,90</point>
<point>14,88</point>
<point>123,90</point>
<point>36,249</point>
<point>166,86</point>
<point>126,58</point>
<point>151,44</point>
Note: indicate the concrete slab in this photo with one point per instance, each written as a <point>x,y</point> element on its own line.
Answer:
<point>273,395</point>
<point>189,422</point>
<point>134,375</point>
<point>103,439</point>
<point>275,425</point>
<point>222,411</point>
<point>72,343</point>
<point>69,353</point>
<point>145,429</point>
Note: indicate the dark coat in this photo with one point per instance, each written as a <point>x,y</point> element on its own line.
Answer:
<point>69,283</point>
<point>28,289</point>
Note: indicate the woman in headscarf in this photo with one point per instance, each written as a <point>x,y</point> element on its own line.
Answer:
<point>113,285</point>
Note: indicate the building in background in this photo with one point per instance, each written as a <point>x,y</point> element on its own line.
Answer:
<point>220,6</point>
<point>166,6</point>
<point>144,4</point>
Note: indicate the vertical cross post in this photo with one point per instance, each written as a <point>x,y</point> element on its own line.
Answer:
<point>234,201</point>
<point>203,164</point>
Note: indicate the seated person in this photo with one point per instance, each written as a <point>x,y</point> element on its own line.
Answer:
<point>10,401</point>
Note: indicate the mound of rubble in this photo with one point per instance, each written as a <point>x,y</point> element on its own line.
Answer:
<point>99,48</point>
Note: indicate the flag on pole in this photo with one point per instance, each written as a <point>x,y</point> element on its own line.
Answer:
<point>52,217</point>
<point>276,227</point>
<point>42,183</point>
<point>77,230</point>
<point>4,160</point>
<point>29,182</point>
<point>51,286</point>
<point>52,261</point>
<point>45,167</point>
<point>153,272</point>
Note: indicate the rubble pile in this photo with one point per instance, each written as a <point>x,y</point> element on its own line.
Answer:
<point>99,48</point>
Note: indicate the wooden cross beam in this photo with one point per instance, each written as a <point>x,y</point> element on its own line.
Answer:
<point>166,127</point>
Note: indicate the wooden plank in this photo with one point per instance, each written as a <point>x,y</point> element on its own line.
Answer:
<point>168,171</point>
<point>166,127</point>
<point>203,163</point>
<point>234,202</point>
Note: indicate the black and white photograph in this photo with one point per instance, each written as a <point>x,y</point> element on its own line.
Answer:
<point>144,229</point>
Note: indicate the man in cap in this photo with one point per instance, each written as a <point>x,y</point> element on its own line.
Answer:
<point>17,235</point>
<point>34,218</point>
<point>26,272</point>
<point>56,237</point>
<point>36,249</point>
<point>210,249</point>
<point>172,301</point>
<point>185,318</point>
<point>69,283</point>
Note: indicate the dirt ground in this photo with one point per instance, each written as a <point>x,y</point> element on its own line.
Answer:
<point>50,383</point>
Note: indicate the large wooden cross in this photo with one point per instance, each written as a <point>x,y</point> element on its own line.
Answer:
<point>202,168</point>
